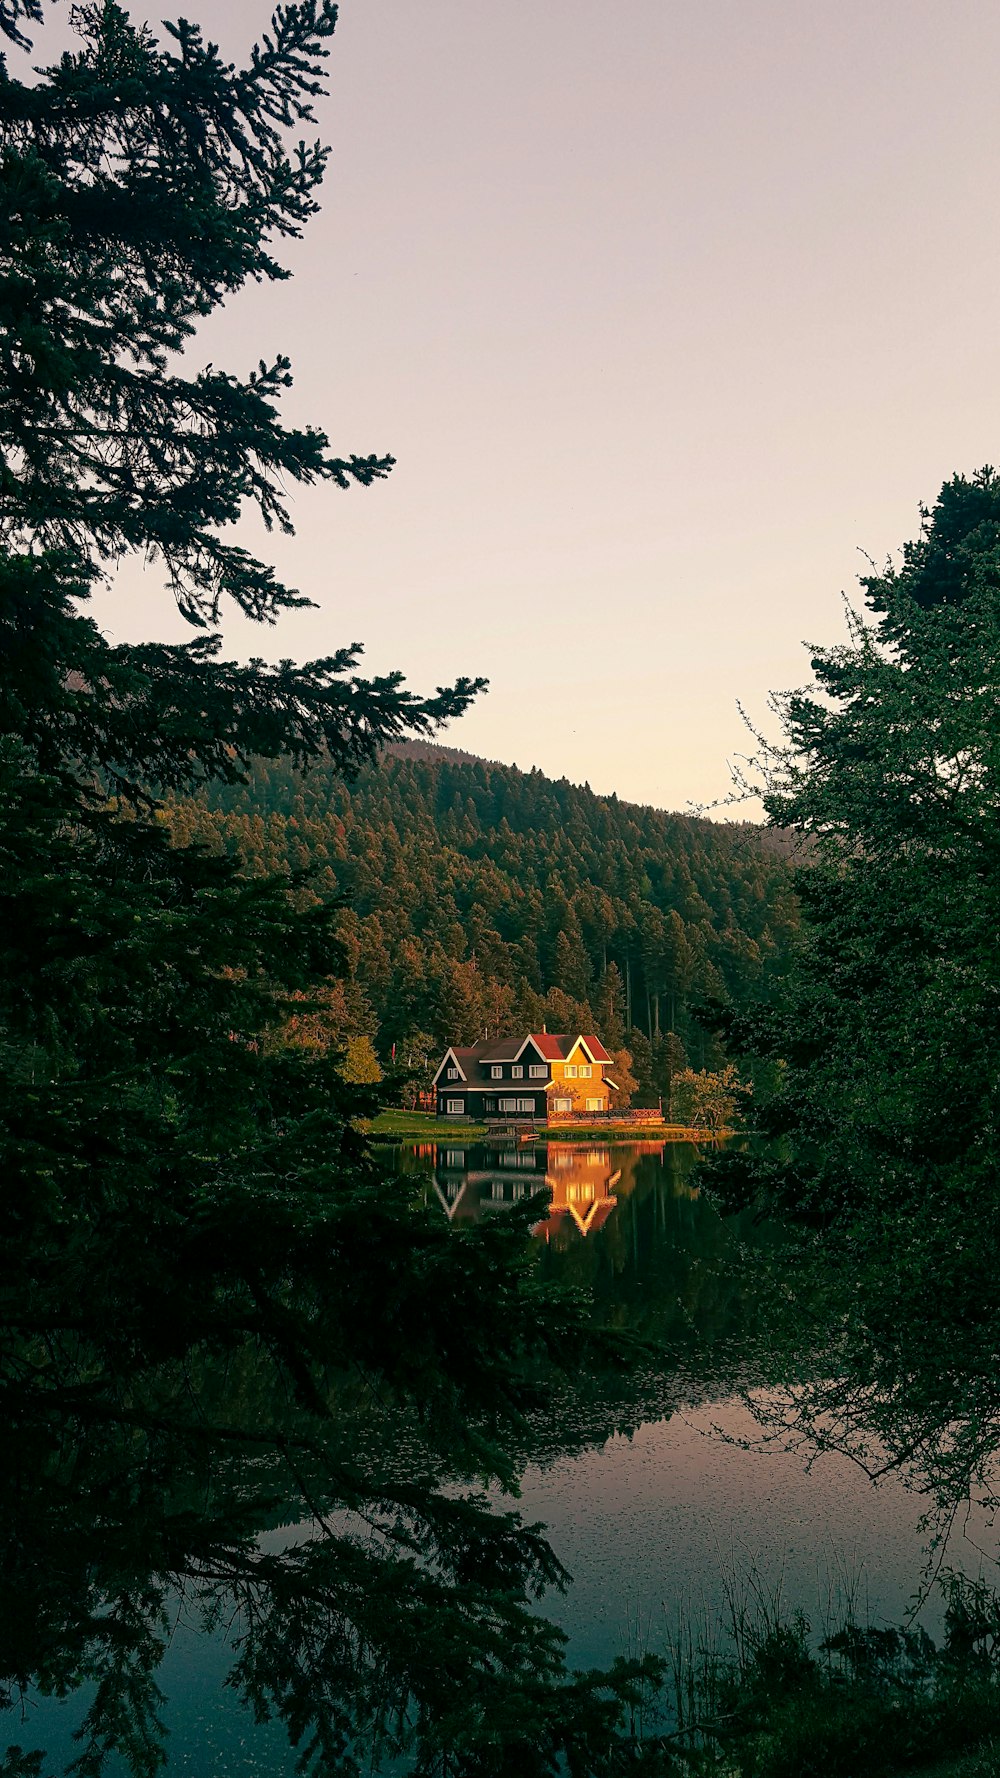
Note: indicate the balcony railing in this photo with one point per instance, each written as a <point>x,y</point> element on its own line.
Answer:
<point>623,1115</point>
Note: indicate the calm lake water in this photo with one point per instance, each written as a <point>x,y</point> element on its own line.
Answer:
<point>667,1516</point>
<point>657,1503</point>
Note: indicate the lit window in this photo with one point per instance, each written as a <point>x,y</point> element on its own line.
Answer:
<point>453,1074</point>
<point>454,1107</point>
<point>508,1105</point>
<point>526,1105</point>
<point>517,1072</point>
<point>496,1072</point>
<point>593,1104</point>
<point>585,1073</point>
<point>489,1105</point>
<point>537,1073</point>
<point>571,1071</point>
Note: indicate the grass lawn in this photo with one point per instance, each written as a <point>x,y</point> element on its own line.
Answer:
<point>393,1122</point>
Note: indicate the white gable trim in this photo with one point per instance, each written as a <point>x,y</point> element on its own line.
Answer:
<point>450,1205</point>
<point>451,1057</point>
<point>585,1047</point>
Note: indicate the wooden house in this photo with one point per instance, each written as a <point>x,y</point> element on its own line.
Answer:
<point>533,1078</point>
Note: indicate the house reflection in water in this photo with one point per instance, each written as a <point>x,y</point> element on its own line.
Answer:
<point>473,1180</point>
<point>582,1182</point>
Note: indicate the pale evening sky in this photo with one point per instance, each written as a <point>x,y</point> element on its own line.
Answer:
<point>667,309</point>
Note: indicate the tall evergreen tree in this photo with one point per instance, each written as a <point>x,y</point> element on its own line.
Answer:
<point>200,1257</point>
<point>877,1074</point>
<point>891,772</point>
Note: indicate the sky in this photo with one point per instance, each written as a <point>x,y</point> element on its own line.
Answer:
<point>672,312</point>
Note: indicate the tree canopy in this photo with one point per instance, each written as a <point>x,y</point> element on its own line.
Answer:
<point>887,1041</point>
<point>208,1286</point>
<point>883,1102</point>
<point>479,897</point>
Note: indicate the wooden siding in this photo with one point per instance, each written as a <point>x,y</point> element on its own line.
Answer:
<point>477,1099</point>
<point>580,1090</point>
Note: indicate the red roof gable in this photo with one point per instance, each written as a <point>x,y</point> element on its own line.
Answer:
<point>548,1045</point>
<point>597,1049</point>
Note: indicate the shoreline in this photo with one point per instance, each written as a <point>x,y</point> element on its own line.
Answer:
<point>398,1126</point>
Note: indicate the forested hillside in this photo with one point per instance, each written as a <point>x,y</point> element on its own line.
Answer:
<point>480,897</point>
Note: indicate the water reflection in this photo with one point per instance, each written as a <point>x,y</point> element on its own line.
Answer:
<point>476,1181</point>
<point>628,1223</point>
<point>645,1502</point>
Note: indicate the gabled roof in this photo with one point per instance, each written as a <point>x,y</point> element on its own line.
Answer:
<point>456,1056</point>
<point>511,1049</point>
<point>505,1049</point>
<point>473,1060</point>
<point>554,1046</point>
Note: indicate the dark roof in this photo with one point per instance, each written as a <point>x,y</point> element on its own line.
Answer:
<point>503,1050</point>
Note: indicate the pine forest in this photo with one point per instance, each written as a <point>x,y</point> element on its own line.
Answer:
<point>479,898</point>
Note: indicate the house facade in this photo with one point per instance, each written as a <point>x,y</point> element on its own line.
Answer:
<point>536,1077</point>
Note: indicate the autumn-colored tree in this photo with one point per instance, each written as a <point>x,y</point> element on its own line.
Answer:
<point>625,1081</point>
<point>708,1101</point>
<point>360,1066</point>
<point>316,1022</point>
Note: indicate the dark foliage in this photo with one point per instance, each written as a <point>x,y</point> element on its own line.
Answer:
<point>212,1304</point>
<point>885,1101</point>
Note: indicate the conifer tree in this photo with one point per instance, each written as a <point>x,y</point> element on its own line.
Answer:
<point>887,1044</point>
<point>202,1263</point>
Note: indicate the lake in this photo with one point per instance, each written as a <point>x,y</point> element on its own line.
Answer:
<point>664,1498</point>
<point>669,1514</point>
